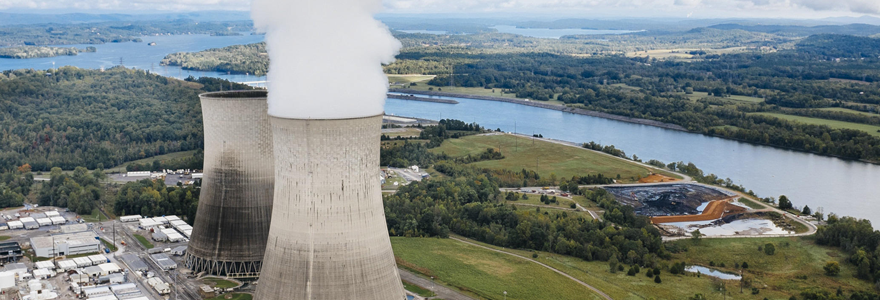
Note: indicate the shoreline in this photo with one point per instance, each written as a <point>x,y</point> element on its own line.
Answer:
<point>618,118</point>
<point>576,111</point>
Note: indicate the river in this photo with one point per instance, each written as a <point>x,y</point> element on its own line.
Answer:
<point>840,186</point>
<point>143,56</point>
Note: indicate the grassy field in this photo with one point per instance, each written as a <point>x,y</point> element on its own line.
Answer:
<point>5,237</point>
<point>144,241</point>
<point>96,216</point>
<point>873,130</point>
<point>700,95</point>
<point>417,289</point>
<point>846,110</point>
<point>405,79</point>
<point>404,132</point>
<point>478,91</point>
<point>520,152</point>
<point>149,160</point>
<point>234,296</point>
<point>796,265</point>
<point>751,204</point>
<point>219,282</point>
<point>484,273</point>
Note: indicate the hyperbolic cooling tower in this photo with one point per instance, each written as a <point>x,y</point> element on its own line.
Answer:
<point>328,238</point>
<point>235,206</point>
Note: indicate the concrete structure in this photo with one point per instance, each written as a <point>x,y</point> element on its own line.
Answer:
<point>10,251</point>
<point>98,259</point>
<point>72,228</point>
<point>235,206</point>
<point>7,280</point>
<point>66,244</point>
<point>328,238</point>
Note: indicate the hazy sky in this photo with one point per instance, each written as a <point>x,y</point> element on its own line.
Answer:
<point>559,8</point>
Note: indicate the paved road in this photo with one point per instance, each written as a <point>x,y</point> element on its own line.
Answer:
<point>597,291</point>
<point>441,291</point>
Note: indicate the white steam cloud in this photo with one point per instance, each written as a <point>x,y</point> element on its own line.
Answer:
<point>326,57</point>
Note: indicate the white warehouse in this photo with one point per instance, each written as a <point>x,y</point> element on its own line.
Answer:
<point>66,244</point>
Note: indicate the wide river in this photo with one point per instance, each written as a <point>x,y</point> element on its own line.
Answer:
<point>839,186</point>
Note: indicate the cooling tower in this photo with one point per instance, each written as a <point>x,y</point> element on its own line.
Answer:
<point>235,206</point>
<point>328,238</point>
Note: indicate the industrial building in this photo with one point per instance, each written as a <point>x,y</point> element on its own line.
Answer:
<point>329,238</point>
<point>163,261</point>
<point>66,244</point>
<point>235,206</point>
<point>10,251</point>
<point>134,262</point>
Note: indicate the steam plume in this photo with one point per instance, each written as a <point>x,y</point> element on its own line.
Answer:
<point>326,57</point>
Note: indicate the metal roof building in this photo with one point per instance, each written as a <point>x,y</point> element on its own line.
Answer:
<point>133,262</point>
<point>10,251</point>
<point>163,261</point>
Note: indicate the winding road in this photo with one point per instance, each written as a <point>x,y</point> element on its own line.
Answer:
<point>597,291</point>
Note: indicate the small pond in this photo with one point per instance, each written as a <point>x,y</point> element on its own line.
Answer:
<point>712,272</point>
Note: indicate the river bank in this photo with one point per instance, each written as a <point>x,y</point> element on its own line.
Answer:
<point>561,108</point>
<point>417,98</point>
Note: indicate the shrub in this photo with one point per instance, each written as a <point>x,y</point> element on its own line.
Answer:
<point>649,273</point>
<point>770,249</point>
<point>832,268</point>
<point>657,279</point>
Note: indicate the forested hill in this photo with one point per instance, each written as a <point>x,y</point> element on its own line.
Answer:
<point>840,46</point>
<point>78,117</point>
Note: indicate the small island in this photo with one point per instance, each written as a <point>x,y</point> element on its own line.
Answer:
<point>26,52</point>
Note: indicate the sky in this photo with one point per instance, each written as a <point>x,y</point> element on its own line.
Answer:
<point>788,9</point>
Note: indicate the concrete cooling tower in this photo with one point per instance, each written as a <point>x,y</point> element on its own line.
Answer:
<point>328,238</point>
<point>235,206</point>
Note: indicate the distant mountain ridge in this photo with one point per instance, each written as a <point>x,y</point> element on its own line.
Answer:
<point>850,29</point>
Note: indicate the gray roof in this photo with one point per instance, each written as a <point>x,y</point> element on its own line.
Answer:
<point>179,249</point>
<point>163,260</point>
<point>15,266</point>
<point>133,262</point>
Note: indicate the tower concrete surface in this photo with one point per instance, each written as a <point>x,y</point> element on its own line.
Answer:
<point>235,207</point>
<point>328,238</point>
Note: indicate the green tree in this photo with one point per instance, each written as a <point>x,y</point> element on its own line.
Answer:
<point>696,236</point>
<point>784,203</point>
<point>612,264</point>
<point>806,211</point>
<point>657,279</point>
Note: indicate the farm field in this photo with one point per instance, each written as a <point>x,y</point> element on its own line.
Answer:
<point>525,153</point>
<point>871,129</point>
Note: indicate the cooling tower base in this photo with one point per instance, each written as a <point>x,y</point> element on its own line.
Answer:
<point>231,269</point>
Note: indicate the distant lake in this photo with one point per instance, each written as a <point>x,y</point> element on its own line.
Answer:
<point>554,33</point>
<point>142,56</point>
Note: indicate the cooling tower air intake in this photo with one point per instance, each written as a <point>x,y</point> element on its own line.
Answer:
<point>328,238</point>
<point>232,223</point>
